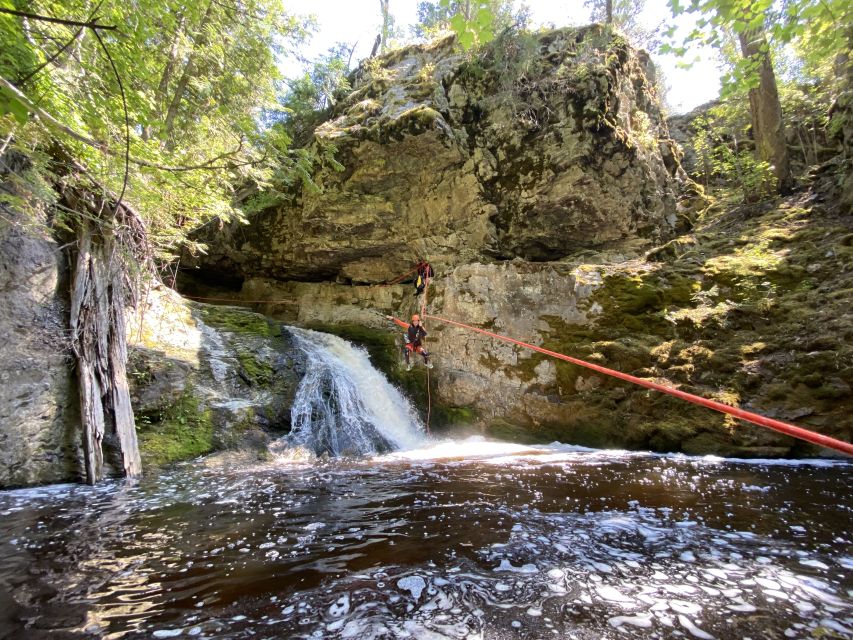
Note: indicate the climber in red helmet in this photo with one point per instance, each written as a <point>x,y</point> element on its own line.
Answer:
<point>414,335</point>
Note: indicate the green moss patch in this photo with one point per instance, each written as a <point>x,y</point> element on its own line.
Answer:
<point>237,320</point>
<point>180,431</point>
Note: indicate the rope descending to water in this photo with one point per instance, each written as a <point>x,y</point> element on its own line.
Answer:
<point>769,423</point>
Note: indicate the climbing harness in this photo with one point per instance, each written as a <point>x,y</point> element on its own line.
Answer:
<point>770,423</point>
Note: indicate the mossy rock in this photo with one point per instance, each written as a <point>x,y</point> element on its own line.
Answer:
<point>180,431</point>
<point>238,320</point>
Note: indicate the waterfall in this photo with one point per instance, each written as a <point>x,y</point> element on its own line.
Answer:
<point>344,406</point>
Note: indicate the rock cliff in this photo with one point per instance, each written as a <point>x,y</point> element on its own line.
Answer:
<point>40,439</point>
<point>206,378</point>
<point>537,148</point>
<point>539,180</point>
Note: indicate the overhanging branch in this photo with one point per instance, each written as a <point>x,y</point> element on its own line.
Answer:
<point>49,121</point>
<point>92,24</point>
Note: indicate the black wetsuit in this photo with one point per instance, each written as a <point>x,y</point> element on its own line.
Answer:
<point>415,333</point>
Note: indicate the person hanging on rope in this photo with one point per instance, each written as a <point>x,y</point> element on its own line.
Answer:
<point>415,333</point>
<point>425,274</point>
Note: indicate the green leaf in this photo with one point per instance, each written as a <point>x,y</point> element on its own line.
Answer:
<point>9,103</point>
<point>485,18</point>
<point>466,39</point>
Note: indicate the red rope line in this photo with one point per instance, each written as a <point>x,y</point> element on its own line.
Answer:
<point>240,300</point>
<point>399,279</point>
<point>770,423</point>
<point>429,403</point>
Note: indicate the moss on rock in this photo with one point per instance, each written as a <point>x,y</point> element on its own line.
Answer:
<point>180,431</point>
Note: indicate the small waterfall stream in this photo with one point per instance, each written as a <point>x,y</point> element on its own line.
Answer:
<point>344,406</point>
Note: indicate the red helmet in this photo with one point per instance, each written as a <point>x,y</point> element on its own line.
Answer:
<point>416,318</point>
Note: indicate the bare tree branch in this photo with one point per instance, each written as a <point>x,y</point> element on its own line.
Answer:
<point>92,24</point>
<point>52,58</point>
<point>62,49</point>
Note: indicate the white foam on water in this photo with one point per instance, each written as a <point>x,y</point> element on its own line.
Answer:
<point>644,622</point>
<point>614,595</point>
<point>691,627</point>
<point>473,448</point>
<point>413,584</point>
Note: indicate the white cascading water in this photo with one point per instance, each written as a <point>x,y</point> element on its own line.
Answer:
<point>344,406</point>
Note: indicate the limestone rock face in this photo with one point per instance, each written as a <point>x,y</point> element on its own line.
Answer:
<point>542,146</point>
<point>40,436</point>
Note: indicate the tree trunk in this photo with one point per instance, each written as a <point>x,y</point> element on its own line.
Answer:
<point>189,69</point>
<point>166,77</point>
<point>386,22</point>
<point>768,127</point>
<point>98,340</point>
<point>608,7</point>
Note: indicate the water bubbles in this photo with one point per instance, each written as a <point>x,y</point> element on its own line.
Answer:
<point>337,548</point>
<point>340,607</point>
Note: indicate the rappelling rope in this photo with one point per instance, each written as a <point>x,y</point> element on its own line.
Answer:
<point>770,423</point>
<point>429,404</point>
<point>429,393</point>
<point>399,278</point>
<point>424,302</point>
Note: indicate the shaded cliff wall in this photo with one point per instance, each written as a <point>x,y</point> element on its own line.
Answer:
<point>40,439</point>
<point>540,181</point>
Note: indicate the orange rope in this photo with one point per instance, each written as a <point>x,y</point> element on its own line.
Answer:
<point>429,403</point>
<point>399,279</point>
<point>770,423</point>
<point>424,302</point>
<point>241,300</point>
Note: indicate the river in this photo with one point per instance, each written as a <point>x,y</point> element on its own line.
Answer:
<point>466,539</point>
<point>359,526</point>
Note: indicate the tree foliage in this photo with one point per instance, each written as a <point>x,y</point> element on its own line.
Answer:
<point>625,16</point>
<point>194,77</point>
<point>812,26</point>
<point>474,22</point>
<point>763,29</point>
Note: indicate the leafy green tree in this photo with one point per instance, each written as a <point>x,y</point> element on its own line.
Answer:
<point>474,22</point>
<point>149,113</point>
<point>179,83</point>
<point>760,28</point>
<point>602,10</point>
<point>307,98</point>
<point>625,16</point>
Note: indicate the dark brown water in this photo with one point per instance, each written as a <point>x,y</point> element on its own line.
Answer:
<point>494,543</point>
